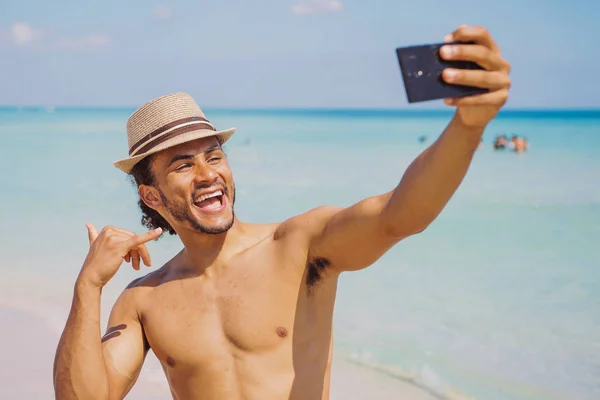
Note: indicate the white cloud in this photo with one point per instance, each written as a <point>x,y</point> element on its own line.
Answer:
<point>317,6</point>
<point>22,34</point>
<point>162,11</point>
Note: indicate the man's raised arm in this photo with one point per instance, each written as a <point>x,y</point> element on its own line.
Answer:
<point>353,238</point>
<point>87,366</point>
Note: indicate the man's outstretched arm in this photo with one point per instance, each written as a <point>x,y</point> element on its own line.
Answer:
<point>353,238</point>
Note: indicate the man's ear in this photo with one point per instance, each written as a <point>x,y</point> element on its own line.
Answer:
<point>150,196</point>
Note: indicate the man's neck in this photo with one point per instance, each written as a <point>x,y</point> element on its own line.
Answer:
<point>202,250</point>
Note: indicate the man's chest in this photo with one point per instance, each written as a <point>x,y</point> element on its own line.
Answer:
<point>235,313</point>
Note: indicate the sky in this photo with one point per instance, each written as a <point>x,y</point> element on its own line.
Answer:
<point>281,53</point>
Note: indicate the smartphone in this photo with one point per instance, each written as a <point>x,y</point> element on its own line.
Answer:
<point>421,68</point>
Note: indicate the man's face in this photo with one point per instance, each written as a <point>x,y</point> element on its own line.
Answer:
<point>196,186</point>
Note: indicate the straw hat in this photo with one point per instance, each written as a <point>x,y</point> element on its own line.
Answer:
<point>165,122</point>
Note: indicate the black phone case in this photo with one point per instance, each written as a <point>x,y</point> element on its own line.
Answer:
<point>421,67</point>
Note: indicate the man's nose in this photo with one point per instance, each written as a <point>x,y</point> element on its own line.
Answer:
<point>205,174</point>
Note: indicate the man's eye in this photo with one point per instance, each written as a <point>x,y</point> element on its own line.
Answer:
<point>214,159</point>
<point>182,166</point>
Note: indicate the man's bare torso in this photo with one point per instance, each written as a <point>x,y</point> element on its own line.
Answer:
<point>256,326</point>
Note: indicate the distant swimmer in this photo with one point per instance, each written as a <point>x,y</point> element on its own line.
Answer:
<point>500,142</point>
<point>520,144</point>
<point>516,143</point>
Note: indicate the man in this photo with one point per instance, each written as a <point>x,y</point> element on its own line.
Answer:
<point>244,311</point>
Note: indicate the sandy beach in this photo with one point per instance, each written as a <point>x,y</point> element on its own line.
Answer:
<point>29,343</point>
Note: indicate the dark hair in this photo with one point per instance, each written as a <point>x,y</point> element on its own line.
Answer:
<point>141,174</point>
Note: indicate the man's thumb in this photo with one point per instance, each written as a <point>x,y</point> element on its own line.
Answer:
<point>92,232</point>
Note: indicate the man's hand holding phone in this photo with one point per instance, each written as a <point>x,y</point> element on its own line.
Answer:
<point>476,110</point>
<point>466,70</point>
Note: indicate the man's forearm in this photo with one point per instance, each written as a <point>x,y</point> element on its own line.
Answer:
<point>79,368</point>
<point>431,180</point>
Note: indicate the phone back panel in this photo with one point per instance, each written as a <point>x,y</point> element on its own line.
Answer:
<point>421,67</point>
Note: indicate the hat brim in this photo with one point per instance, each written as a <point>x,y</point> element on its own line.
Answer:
<point>127,164</point>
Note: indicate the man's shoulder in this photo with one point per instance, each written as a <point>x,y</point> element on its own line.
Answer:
<point>136,290</point>
<point>151,279</point>
<point>135,296</point>
<point>308,223</point>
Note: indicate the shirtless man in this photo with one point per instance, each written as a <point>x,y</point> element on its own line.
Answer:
<point>244,311</point>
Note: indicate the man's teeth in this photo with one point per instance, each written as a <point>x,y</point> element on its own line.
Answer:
<point>208,196</point>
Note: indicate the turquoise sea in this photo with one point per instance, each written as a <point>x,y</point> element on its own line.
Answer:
<point>499,299</point>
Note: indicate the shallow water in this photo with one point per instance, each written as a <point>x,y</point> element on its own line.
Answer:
<point>497,299</point>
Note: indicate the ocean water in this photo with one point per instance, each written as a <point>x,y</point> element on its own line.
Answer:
<point>498,299</point>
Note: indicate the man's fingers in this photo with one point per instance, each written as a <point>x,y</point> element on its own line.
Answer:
<point>477,34</point>
<point>475,53</point>
<point>125,231</point>
<point>497,98</point>
<point>92,232</point>
<point>135,260</point>
<point>143,238</point>
<point>144,254</point>
<point>492,80</point>
<point>131,245</point>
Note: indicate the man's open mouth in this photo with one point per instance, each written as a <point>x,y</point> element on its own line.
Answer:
<point>210,201</point>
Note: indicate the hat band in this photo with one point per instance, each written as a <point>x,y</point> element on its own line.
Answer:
<point>169,131</point>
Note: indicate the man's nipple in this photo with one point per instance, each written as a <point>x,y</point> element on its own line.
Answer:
<point>282,332</point>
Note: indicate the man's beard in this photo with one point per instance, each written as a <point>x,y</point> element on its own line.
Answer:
<point>182,214</point>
